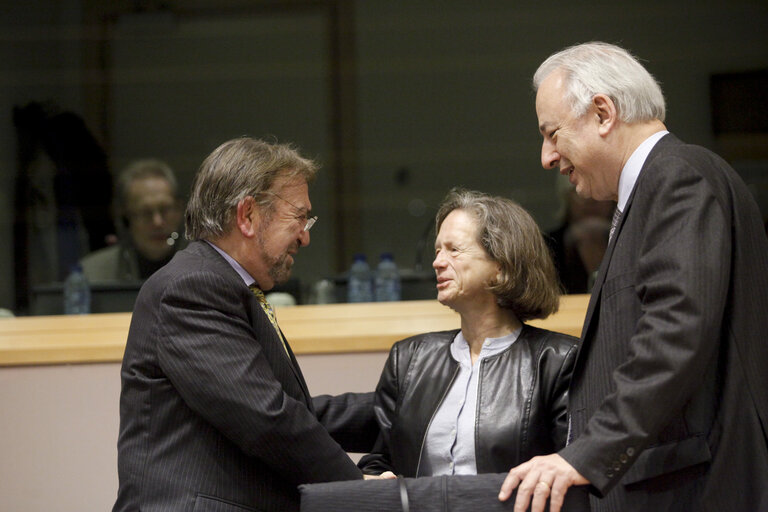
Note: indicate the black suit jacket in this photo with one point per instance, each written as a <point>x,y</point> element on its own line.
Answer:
<point>213,414</point>
<point>669,397</point>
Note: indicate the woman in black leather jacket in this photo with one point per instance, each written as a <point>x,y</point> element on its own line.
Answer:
<point>492,395</point>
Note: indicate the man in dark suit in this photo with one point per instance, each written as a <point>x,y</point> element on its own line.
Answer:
<point>214,411</point>
<point>669,397</point>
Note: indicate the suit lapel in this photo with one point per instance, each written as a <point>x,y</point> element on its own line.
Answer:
<point>279,356</point>
<point>594,300</point>
<point>597,288</point>
<point>221,266</point>
<point>297,372</point>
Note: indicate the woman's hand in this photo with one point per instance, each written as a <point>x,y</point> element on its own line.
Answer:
<point>387,475</point>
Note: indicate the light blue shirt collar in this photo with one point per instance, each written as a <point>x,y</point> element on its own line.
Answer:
<point>246,277</point>
<point>634,165</point>
<point>491,346</point>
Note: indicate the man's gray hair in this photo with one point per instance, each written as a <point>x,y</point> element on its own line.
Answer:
<point>235,170</point>
<point>602,68</point>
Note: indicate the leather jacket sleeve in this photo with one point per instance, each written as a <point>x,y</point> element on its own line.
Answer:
<point>379,460</point>
<point>559,398</point>
<point>349,419</point>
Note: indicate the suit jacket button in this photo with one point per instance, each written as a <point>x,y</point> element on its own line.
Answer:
<point>630,451</point>
<point>609,474</point>
<point>623,458</point>
<point>616,466</point>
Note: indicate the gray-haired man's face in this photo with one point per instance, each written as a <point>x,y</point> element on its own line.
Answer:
<point>281,236</point>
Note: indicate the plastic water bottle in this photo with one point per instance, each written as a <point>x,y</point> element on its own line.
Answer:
<point>77,293</point>
<point>324,292</point>
<point>360,285</point>
<point>387,284</point>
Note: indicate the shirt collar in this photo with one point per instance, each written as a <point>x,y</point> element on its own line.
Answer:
<point>634,165</point>
<point>491,346</point>
<point>244,275</point>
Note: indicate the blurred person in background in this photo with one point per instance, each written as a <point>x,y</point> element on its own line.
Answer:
<point>149,215</point>
<point>579,242</point>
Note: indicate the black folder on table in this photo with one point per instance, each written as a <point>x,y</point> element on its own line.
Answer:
<point>425,494</point>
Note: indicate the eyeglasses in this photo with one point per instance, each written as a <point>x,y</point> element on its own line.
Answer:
<point>310,221</point>
<point>147,215</point>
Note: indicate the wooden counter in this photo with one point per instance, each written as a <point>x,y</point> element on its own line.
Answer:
<point>311,329</point>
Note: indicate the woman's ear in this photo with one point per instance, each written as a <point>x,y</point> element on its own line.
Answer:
<point>499,275</point>
<point>606,112</point>
<point>247,216</point>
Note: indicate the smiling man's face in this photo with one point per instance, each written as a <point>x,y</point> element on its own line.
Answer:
<point>280,236</point>
<point>574,144</point>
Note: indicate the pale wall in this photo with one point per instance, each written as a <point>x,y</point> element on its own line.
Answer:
<point>59,424</point>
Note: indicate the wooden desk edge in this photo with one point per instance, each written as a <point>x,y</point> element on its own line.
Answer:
<point>58,333</point>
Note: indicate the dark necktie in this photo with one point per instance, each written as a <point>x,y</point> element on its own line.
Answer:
<point>614,222</point>
<point>267,307</point>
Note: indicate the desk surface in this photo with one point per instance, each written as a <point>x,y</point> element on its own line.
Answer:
<point>311,329</point>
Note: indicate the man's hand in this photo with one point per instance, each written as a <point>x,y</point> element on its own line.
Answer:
<point>387,475</point>
<point>540,478</point>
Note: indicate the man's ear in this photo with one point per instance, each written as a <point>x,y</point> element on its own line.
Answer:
<point>247,216</point>
<point>606,112</point>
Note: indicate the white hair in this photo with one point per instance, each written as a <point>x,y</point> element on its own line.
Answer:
<point>602,68</point>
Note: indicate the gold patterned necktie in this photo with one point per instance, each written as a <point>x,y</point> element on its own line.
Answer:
<point>267,307</point>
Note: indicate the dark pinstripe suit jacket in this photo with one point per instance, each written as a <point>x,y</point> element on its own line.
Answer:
<point>213,413</point>
<point>669,398</point>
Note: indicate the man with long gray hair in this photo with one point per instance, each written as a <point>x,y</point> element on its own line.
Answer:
<point>214,411</point>
<point>668,404</point>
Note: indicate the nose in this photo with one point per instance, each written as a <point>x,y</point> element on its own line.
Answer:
<point>438,262</point>
<point>303,238</point>
<point>157,218</point>
<point>549,155</point>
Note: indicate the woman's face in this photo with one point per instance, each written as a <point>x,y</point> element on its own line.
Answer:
<point>463,268</point>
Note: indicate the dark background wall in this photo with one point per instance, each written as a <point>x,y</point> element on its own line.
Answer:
<point>399,101</point>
